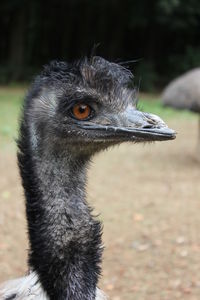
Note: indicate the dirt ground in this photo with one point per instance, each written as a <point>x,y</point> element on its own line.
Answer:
<point>148,197</point>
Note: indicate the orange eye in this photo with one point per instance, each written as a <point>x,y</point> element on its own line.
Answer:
<point>81,111</point>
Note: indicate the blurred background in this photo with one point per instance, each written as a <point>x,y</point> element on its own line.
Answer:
<point>148,196</point>
<point>163,35</point>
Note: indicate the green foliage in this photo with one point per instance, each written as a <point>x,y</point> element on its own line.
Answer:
<point>182,63</point>
<point>152,104</point>
<point>146,76</point>
<point>10,104</point>
<point>164,34</point>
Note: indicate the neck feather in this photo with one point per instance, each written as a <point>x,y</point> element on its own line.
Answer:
<point>65,241</point>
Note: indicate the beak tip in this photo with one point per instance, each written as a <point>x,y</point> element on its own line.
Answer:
<point>168,130</point>
<point>167,133</point>
<point>172,133</point>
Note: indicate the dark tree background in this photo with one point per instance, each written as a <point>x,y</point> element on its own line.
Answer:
<point>163,35</point>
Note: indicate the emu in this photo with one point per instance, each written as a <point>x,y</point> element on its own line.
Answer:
<point>71,112</point>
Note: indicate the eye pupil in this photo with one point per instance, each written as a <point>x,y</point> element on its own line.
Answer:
<point>82,109</point>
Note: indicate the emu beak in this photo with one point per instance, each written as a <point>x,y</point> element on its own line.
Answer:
<point>133,125</point>
<point>145,126</point>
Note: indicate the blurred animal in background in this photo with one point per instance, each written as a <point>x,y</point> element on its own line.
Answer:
<point>184,93</point>
<point>71,112</point>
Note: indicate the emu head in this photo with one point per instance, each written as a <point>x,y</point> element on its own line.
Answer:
<point>88,105</point>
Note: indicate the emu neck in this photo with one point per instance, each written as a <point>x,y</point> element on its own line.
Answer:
<point>65,241</point>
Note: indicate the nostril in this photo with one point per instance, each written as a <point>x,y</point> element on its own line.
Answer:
<point>148,126</point>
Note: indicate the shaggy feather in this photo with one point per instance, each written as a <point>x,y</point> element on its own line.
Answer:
<point>29,288</point>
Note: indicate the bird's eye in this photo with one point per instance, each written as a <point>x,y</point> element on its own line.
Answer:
<point>81,111</point>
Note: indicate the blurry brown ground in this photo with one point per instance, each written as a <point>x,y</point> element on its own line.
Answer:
<point>148,197</point>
